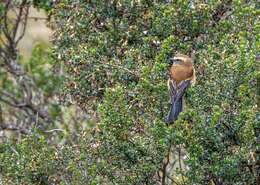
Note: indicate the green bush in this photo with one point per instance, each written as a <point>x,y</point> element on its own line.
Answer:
<point>37,160</point>
<point>116,54</point>
<point>31,161</point>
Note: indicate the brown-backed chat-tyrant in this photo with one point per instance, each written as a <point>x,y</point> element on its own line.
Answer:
<point>182,75</point>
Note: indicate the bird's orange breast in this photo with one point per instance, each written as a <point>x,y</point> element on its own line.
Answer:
<point>179,73</point>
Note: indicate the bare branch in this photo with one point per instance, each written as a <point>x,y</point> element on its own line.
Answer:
<point>54,130</point>
<point>5,26</point>
<point>24,25</point>
<point>18,20</point>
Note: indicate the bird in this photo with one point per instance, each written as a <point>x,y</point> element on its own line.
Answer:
<point>181,76</point>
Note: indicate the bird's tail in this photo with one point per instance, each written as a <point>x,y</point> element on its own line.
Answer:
<point>175,109</point>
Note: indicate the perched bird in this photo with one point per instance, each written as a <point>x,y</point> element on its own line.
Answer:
<point>182,75</point>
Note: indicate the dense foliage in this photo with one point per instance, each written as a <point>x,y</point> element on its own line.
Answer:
<point>116,53</point>
<point>116,56</point>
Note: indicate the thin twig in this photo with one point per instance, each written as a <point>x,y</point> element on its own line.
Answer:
<point>55,130</point>
<point>5,27</point>
<point>18,20</point>
<point>12,148</point>
<point>24,25</point>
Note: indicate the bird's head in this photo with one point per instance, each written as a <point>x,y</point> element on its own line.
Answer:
<point>182,60</point>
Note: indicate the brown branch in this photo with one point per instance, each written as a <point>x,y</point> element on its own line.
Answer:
<point>24,25</point>
<point>18,20</point>
<point>5,26</point>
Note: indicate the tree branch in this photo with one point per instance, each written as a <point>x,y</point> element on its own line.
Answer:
<point>18,20</point>
<point>24,25</point>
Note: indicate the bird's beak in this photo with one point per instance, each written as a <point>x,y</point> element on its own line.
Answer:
<point>171,60</point>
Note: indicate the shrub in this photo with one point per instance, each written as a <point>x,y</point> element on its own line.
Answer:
<point>116,54</point>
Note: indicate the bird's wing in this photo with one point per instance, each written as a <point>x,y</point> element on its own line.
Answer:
<point>177,93</point>
<point>173,89</point>
<point>182,88</point>
<point>176,99</point>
